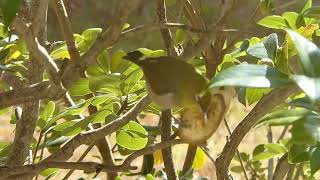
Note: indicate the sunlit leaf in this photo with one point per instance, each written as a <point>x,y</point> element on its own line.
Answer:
<point>248,75</point>
<point>274,22</point>
<point>306,130</point>
<point>132,136</point>
<point>199,160</point>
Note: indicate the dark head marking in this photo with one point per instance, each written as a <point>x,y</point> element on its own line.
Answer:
<point>134,56</point>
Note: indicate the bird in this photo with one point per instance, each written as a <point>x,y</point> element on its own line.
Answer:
<point>170,82</point>
<point>195,126</point>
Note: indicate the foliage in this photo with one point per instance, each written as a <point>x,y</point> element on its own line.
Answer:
<point>111,87</point>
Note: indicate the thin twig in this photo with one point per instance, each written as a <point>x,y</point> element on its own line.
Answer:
<point>238,153</point>
<point>66,29</point>
<point>283,133</point>
<point>84,154</point>
<point>270,161</point>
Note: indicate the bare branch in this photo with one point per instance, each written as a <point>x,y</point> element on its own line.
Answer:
<point>166,127</point>
<point>265,105</point>
<point>37,50</point>
<point>188,162</point>
<point>85,153</point>
<point>26,126</point>
<point>86,166</point>
<point>36,91</point>
<point>281,168</point>
<point>66,29</point>
<point>165,32</point>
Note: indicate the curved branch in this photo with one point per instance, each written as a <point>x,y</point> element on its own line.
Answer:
<point>264,106</point>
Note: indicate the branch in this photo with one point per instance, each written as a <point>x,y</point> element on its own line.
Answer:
<point>90,136</point>
<point>87,166</point>
<point>165,32</point>
<point>37,50</point>
<point>26,126</point>
<point>39,10</point>
<point>281,168</point>
<point>166,127</point>
<point>205,40</point>
<point>265,105</point>
<point>66,29</point>
<point>188,162</point>
<point>153,26</point>
<point>150,149</point>
<point>36,91</point>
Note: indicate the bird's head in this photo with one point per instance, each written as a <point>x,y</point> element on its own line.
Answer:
<point>134,56</point>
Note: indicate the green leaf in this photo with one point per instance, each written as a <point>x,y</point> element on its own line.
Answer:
<point>132,136</point>
<point>306,6</point>
<point>308,52</point>
<point>180,36</point>
<point>268,151</point>
<point>291,18</point>
<point>104,61</point>
<point>313,12</point>
<point>306,130</point>
<point>282,60</point>
<point>199,160</point>
<point>273,22</point>
<point>283,117</point>
<point>266,48</point>
<point>77,128</point>
<point>311,86</point>
<point>248,75</point>
<point>298,154</point>
<point>9,10</point>
<point>255,94</point>
<point>47,112</point>
<point>152,53</point>
<point>64,125</point>
<point>132,79</point>
<point>149,177</point>
<point>236,169</point>
<point>73,110</point>
<point>80,87</point>
<point>304,102</point>
<point>57,142</point>
<point>117,64</point>
<point>315,160</point>
<point>91,35</point>
<point>95,70</point>
<point>97,83</point>
<point>60,53</point>
<point>49,172</point>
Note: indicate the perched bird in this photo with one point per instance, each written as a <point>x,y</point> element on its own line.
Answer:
<point>195,126</point>
<point>170,82</point>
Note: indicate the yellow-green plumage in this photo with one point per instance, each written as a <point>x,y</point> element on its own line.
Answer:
<point>171,82</point>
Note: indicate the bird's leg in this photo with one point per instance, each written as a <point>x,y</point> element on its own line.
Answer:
<point>204,109</point>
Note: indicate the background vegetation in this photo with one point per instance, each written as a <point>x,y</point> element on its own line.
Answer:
<point>67,91</point>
